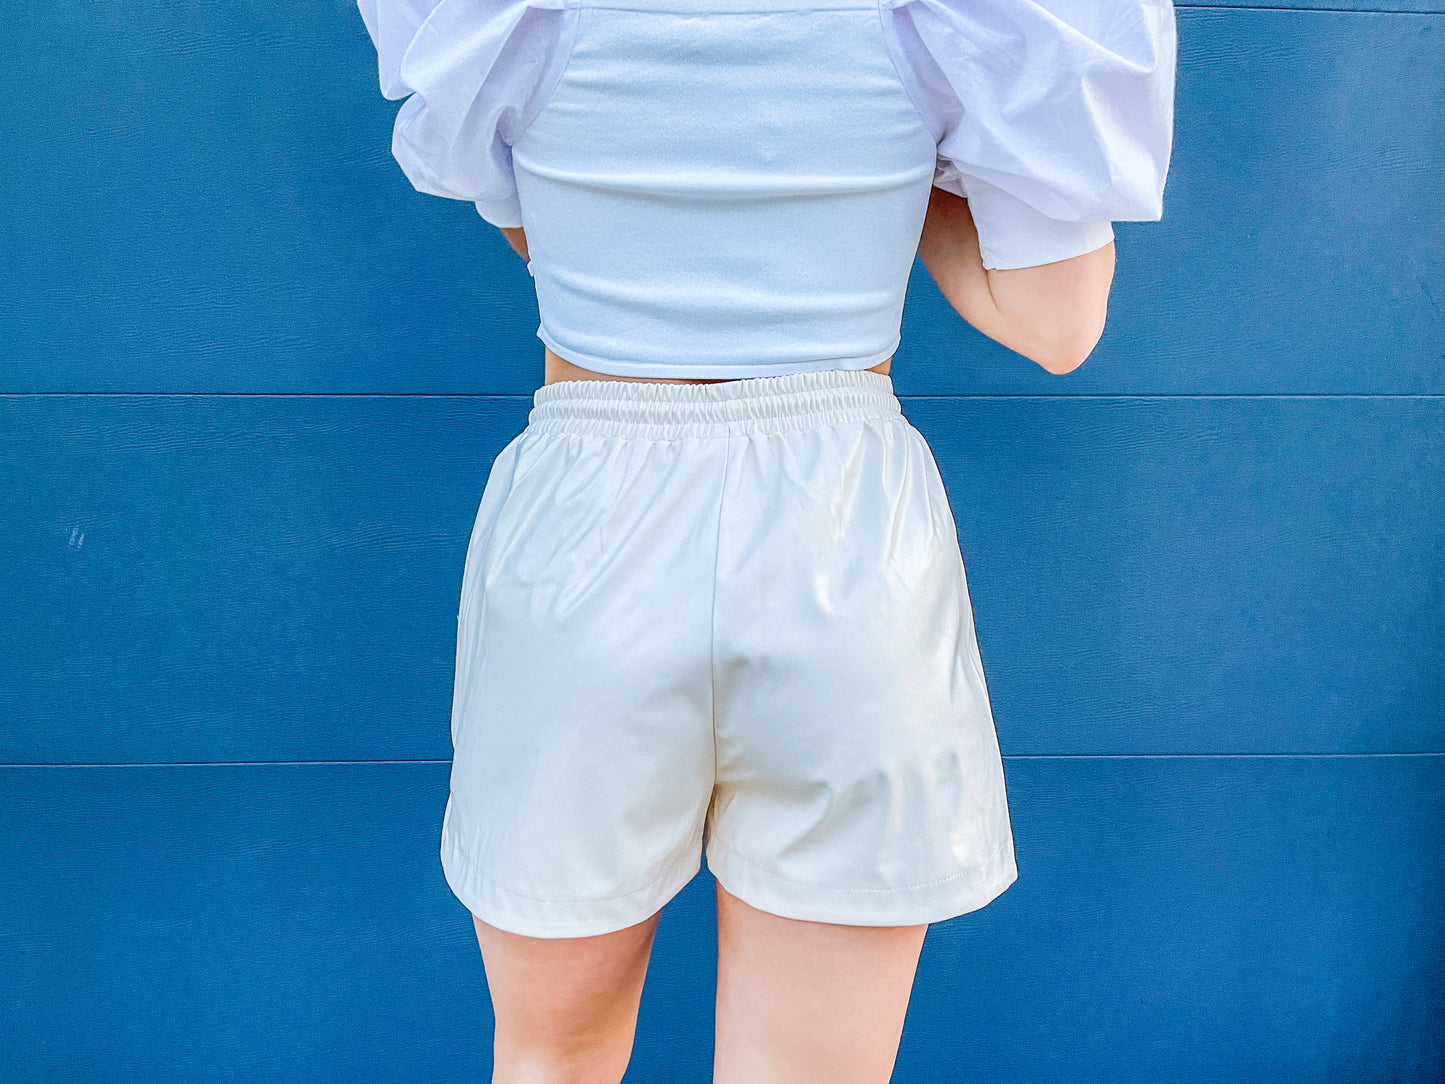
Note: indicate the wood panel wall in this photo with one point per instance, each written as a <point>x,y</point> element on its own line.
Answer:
<point>250,387</point>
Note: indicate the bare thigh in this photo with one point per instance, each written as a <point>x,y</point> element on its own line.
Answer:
<point>803,1002</point>
<point>566,1007</point>
<point>797,1001</point>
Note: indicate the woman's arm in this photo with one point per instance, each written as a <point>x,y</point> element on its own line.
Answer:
<point>517,239</point>
<point>1053,314</point>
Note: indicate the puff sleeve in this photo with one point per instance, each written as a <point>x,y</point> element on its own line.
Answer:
<point>1054,118</point>
<point>473,73</point>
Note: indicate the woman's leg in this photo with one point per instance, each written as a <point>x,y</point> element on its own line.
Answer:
<point>804,1002</point>
<point>566,1007</point>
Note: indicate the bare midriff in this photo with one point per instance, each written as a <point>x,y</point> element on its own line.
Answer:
<point>561,369</point>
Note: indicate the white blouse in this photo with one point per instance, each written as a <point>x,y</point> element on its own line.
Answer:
<point>726,188</point>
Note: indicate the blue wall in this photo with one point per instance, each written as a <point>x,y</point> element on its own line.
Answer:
<point>250,388</point>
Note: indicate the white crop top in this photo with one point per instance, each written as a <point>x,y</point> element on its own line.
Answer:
<point>736,188</point>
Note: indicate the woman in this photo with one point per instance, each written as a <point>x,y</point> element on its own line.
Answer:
<point>713,598</point>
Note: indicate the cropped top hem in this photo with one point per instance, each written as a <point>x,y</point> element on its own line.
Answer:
<point>711,370</point>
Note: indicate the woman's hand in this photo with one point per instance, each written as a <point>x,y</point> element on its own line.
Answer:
<point>517,239</point>
<point>1053,314</point>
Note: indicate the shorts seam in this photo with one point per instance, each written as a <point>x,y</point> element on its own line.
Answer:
<point>735,853</point>
<point>712,627</point>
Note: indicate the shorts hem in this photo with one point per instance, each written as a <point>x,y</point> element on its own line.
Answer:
<point>518,913</point>
<point>910,905</point>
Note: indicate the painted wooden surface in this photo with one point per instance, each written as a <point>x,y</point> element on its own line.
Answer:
<point>1222,919</point>
<point>250,388</point>
<point>208,203</point>
<point>277,577</point>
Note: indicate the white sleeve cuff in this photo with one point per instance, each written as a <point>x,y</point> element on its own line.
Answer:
<point>1012,234</point>
<point>506,213</point>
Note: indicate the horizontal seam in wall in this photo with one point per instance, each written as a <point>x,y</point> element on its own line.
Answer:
<point>1006,756</point>
<point>1320,7</point>
<point>502,396</point>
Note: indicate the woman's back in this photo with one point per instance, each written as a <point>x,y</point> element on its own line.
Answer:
<point>743,188</point>
<point>735,188</point>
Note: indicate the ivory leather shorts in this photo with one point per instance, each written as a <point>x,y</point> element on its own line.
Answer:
<point>726,618</point>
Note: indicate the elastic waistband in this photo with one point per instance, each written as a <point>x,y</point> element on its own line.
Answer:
<point>726,7</point>
<point>765,404</point>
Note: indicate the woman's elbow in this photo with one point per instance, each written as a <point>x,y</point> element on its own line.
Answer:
<point>1061,348</point>
<point>1063,359</point>
<point>1060,367</point>
<point>1056,312</point>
